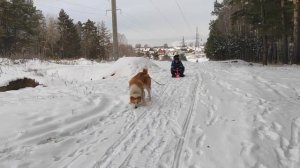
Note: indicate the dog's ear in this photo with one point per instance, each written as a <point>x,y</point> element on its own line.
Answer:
<point>145,70</point>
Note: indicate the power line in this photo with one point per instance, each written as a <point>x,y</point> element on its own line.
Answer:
<point>165,19</point>
<point>80,5</point>
<point>183,16</point>
<point>73,10</point>
<point>130,24</point>
<point>135,22</point>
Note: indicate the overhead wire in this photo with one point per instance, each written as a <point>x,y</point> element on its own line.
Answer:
<point>81,10</point>
<point>183,15</point>
<point>80,5</point>
<point>123,23</point>
<point>127,22</point>
<point>132,22</point>
<point>186,20</point>
<point>75,10</point>
<point>164,17</point>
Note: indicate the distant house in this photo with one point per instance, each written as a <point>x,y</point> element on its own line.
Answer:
<point>161,51</point>
<point>165,58</point>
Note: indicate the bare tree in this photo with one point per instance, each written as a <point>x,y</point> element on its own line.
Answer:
<point>124,48</point>
<point>52,36</point>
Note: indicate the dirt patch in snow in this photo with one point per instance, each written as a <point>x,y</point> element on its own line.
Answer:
<point>19,84</point>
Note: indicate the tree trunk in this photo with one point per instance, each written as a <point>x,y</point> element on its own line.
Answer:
<point>264,36</point>
<point>284,58</point>
<point>265,50</point>
<point>296,56</point>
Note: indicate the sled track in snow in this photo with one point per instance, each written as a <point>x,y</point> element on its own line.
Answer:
<point>180,143</point>
<point>114,149</point>
<point>151,147</point>
<point>123,165</point>
<point>65,162</point>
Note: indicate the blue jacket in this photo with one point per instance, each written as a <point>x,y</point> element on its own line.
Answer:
<point>177,64</point>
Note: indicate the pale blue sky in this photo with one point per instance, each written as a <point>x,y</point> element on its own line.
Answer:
<point>152,22</point>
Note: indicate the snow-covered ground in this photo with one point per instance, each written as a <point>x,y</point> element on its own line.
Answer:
<point>221,115</point>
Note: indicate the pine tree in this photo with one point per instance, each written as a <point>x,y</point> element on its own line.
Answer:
<point>19,26</point>
<point>104,35</point>
<point>3,10</point>
<point>90,40</point>
<point>250,30</point>
<point>69,42</point>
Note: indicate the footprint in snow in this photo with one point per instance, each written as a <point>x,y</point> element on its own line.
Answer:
<point>264,131</point>
<point>277,127</point>
<point>56,158</point>
<point>246,147</point>
<point>188,155</point>
<point>214,107</point>
<point>194,166</point>
<point>197,129</point>
<point>212,121</point>
<point>200,140</point>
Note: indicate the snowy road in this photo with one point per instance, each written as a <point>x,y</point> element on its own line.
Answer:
<point>221,115</point>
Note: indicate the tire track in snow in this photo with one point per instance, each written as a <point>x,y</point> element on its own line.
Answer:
<point>148,142</point>
<point>273,87</point>
<point>147,125</point>
<point>152,147</point>
<point>156,134</point>
<point>132,129</point>
<point>78,152</point>
<point>67,129</point>
<point>152,136</point>
<point>126,161</point>
<point>91,128</point>
<point>187,123</point>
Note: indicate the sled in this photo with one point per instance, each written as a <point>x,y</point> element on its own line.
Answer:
<point>177,74</point>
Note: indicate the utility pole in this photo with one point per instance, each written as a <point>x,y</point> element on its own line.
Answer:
<point>197,44</point>
<point>115,30</point>
<point>183,42</point>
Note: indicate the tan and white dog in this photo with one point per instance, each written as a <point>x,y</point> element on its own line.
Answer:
<point>137,84</point>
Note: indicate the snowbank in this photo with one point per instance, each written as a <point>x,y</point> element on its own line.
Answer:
<point>129,66</point>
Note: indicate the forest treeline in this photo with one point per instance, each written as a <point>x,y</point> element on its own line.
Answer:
<point>26,33</point>
<point>265,31</point>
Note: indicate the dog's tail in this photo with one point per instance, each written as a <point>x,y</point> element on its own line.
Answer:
<point>145,70</point>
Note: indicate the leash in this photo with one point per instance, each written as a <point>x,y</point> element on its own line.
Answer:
<point>157,82</point>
